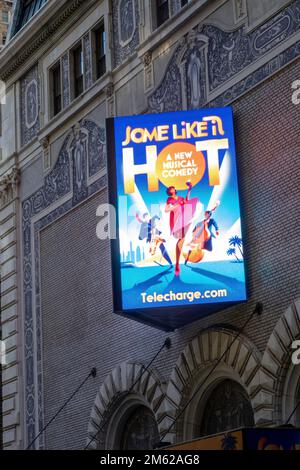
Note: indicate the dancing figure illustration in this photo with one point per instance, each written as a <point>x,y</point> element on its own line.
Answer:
<point>181,211</point>
<point>152,234</point>
<point>203,234</point>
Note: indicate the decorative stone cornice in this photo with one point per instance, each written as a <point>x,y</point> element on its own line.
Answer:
<point>29,49</point>
<point>8,186</point>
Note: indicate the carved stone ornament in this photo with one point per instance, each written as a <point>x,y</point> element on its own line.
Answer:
<point>110,100</point>
<point>148,71</point>
<point>109,90</point>
<point>147,58</point>
<point>46,152</point>
<point>8,186</point>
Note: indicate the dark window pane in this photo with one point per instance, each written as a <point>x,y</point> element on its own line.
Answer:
<point>228,407</point>
<point>28,9</point>
<point>140,430</point>
<point>56,79</point>
<point>78,71</point>
<point>100,47</point>
<point>162,11</point>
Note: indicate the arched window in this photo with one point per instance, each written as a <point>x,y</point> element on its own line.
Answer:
<point>290,396</point>
<point>140,431</point>
<point>228,407</point>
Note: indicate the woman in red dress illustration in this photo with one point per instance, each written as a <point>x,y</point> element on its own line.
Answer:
<point>182,211</point>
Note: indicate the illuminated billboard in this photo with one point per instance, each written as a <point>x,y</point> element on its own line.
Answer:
<point>178,254</point>
<point>246,439</point>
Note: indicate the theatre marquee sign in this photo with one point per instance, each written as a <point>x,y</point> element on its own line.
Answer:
<point>178,254</point>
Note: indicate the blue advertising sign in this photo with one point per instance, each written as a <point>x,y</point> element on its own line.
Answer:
<point>272,439</point>
<point>179,249</point>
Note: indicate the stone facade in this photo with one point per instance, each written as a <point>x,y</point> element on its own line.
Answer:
<point>30,106</point>
<point>57,315</point>
<point>9,216</point>
<point>5,19</point>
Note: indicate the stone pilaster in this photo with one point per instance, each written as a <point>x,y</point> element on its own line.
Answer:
<point>110,100</point>
<point>46,153</point>
<point>240,10</point>
<point>148,71</point>
<point>9,308</point>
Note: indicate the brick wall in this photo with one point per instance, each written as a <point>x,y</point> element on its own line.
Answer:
<point>79,329</point>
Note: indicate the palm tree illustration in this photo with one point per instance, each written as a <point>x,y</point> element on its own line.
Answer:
<point>237,242</point>
<point>231,252</point>
<point>229,442</point>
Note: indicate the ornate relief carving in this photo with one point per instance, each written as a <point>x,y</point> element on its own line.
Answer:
<point>96,147</point>
<point>184,84</point>
<point>125,33</point>
<point>66,79</point>
<point>78,154</point>
<point>31,103</point>
<point>127,22</point>
<point>30,106</point>
<point>110,90</point>
<point>8,186</point>
<point>256,77</point>
<point>147,58</point>
<point>168,95</point>
<point>194,80</point>
<point>195,72</point>
<point>272,33</point>
<point>229,53</point>
<point>69,172</point>
<point>142,20</point>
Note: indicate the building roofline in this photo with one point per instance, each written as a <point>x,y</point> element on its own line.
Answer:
<point>35,33</point>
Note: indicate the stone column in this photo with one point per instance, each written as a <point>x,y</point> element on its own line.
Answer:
<point>9,308</point>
